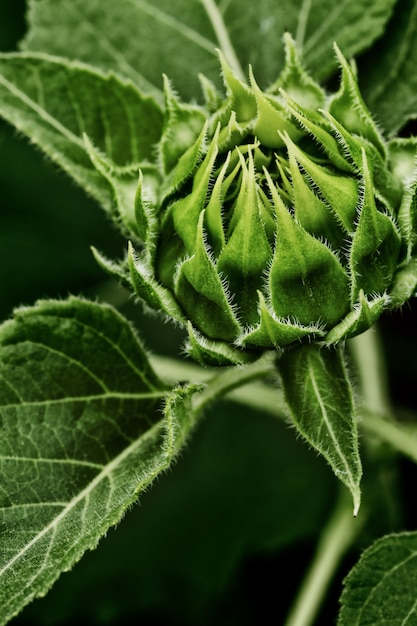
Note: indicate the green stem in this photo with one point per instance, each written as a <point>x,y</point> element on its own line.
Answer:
<point>402,437</point>
<point>173,370</point>
<point>232,378</point>
<point>369,360</point>
<point>376,412</point>
<point>336,538</point>
<point>270,399</point>
<point>242,384</point>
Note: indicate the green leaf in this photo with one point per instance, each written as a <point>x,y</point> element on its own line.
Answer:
<point>381,588</point>
<point>57,103</point>
<point>81,436</point>
<point>131,37</point>
<point>387,75</point>
<point>319,396</point>
<point>198,529</point>
<point>354,26</point>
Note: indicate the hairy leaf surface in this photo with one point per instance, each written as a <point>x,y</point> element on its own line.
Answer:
<point>381,588</point>
<point>320,399</point>
<point>81,435</point>
<point>57,104</point>
<point>144,38</point>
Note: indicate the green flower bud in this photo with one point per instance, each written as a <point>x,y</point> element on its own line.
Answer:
<point>279,215</point>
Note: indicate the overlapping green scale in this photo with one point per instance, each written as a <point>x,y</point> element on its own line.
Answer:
<point>282,215</point>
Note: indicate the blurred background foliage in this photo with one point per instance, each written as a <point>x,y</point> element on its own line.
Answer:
<point>47,223</point>
<point>225,536</point>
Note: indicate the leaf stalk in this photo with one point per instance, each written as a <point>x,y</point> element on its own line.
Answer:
<point>336,538</point>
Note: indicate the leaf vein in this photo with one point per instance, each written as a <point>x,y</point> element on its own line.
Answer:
<point>119,351</point>
<point>105,474</point>
<point>76,107</point>
<point>104,42</point>
<point>91,398</point>
<point>222,35</point>
<point>42,113</point>
<point>388,573</point>
<point>318,35</point>
<point>174,24</point>
<point>12,387</point>
<point>25,505</point>
<point>303,16</point>
<point>52,461</point>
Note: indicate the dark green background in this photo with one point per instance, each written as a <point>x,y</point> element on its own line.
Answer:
<point>225,536</point>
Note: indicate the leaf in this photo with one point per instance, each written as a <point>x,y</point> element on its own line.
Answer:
<point>387,74</point>
<point>143,39</point>
<point>381,587</point>
<point>35,256</point>
<point>243,490</point>
<point>81,436</point>
<point>55,103</point>
<point>319,396</point>
<point>354,26</point>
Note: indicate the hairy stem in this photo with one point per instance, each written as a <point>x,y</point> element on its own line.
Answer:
<point>336,538</point>
<point>270,399</point>
<point>241,384</point>
<point>234,377</point>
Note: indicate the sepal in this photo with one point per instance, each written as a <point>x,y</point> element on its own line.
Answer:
<point>296,81</point>
<point>349,108</point>
<point>149,290</point>
<point>361,317</point>
<point>213,99</point>
<point>273,331</point>
<point>185,167</point>
<point>404,284</point>
<point>302,266</point>
<point>118,271</point>
<point>183,124</point>
<point>316,125</point>
<point>375,244</point>
<point>339,192</point>
<point>186,211</point>
<point>146,219</point>
<point>247,252</point>
<point>240,97</point>
<point>403,158</point>
<point>271,116</point>
<point>203,294</point>
<point>387,187</point>
<point>123,184</point>
<point>215,353</point>
<point>310,211</point>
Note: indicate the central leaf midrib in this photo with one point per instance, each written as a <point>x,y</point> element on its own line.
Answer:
<point>328,424</point>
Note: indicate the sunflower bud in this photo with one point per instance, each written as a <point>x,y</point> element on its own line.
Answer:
<point>279,215</point>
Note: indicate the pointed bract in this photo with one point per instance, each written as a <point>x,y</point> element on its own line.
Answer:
<point>278,217</point>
